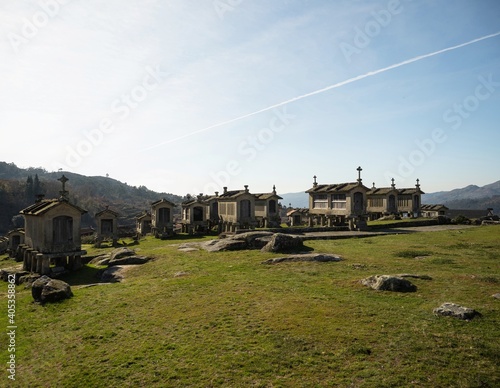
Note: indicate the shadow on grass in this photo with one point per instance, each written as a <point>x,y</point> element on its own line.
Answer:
<point>84,276</point>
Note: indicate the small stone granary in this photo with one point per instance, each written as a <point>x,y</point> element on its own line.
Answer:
<point>52,234</point>
<point>15,238</point>
<point>143,223</point>
<point>162,221</point>
<point>298,217</point>
<point>195,215</point>
<point>107,226</point>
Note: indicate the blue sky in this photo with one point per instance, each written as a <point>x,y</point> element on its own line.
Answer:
<point>189,96</point>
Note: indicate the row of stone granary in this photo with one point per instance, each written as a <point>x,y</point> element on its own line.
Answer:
<point>52,232</point>
<point>229,211</point>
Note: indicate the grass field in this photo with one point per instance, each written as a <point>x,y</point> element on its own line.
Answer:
<point>234,322</point>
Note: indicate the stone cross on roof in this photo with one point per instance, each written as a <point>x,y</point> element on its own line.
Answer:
<point>64,193</point>
<point>359,169</point>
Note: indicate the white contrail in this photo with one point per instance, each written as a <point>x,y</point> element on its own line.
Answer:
<point>334,86</point>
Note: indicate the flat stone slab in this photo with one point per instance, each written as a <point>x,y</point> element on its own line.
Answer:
<point>114,274</point>
<point>496,296</point>
<point>17,272</point>
<point>455,310</point>
<point>389,283</point>
<point>319,257</point>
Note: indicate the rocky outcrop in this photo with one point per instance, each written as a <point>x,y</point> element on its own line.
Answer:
<point>319,257</point>
<point>114,274</point>
<point>389,283</point>
<point>283,243</point>
<point>101,260</point>
<point>226,244</point>
<point>456,311</point>
<point>47,290</point>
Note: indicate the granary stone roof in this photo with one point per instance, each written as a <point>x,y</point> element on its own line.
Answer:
<point>143,215</point>
<point>107,211</point>
<point>411,190</point>
<point>303,211</point>
<point>163,200</point>
<point>381,191</point>
<point>232,194</point>
<point>433,207</point>
<point>335,188</point>
<point>267,196</point>
<point>43,206</point>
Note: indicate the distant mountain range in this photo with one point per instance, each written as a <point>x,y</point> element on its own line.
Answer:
<point>470,197</point>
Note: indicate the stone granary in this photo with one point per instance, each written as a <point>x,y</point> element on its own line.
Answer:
<point>297,217</point>
<point>52,234</point>
<point>266,209</point>
<point>162,222</point>
<point>15,239</point>
<point>194,214</point>
<point>384,201</point>
<point>433,210</point>
<point>143,223</point>
<point>107,226</point>
<point>333,204</point>
<point>240,209</point>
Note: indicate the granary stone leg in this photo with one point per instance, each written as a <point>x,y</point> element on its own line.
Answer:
<point>311,222</point>
<point>322,220</point>
<point>26,262</point>
<point>39,264</point>
<point>45,270</point>
<point>330,221</point>
<point>77,262</point>
<point>27,258</point>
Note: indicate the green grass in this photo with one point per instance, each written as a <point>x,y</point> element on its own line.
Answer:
<point>234,322</point>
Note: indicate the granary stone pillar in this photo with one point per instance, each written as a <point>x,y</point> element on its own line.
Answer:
<point>39,263</point>
<point>27,257</point>
<point>311,222</point>
<point>322,220</point>
<point>76,262</point>
<point>45,264</point>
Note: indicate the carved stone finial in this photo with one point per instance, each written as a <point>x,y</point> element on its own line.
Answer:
<point>359,169</point>
<point>63,192</point>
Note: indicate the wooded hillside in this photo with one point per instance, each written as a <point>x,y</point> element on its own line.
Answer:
<point>19,187</point>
